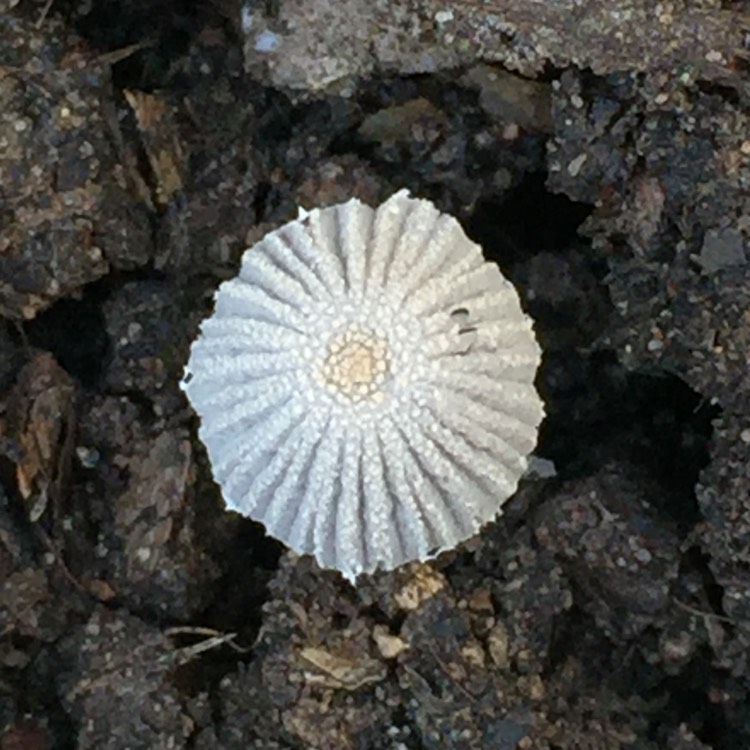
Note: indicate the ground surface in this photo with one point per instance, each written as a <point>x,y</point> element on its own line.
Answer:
<point>600,151</point>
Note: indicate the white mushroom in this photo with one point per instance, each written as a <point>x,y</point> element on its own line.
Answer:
<point>365,385</point>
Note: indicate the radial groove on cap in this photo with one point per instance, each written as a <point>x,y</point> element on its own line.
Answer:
<point>365,385</point>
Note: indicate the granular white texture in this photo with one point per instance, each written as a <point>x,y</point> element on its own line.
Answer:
<point>365,385</point>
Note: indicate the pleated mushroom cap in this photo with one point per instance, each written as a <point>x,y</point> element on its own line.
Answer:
<point>365,385</point>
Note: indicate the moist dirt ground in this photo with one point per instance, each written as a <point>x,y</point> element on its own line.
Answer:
<point>599,150</point>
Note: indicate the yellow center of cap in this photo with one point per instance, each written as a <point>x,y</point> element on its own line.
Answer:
<point>356,364</point>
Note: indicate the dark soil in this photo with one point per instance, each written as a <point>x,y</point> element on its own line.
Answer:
<point>143,147</point>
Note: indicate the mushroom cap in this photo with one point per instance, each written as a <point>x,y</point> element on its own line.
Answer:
<point>365,385</point>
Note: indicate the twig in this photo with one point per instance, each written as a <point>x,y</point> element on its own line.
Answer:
<point>43,15</point>
<point>701,613</point>
<point>214,637</point>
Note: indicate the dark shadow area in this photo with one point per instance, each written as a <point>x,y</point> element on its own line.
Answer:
<point>251,558</point>
<point>526,220</point>
<point>597,411</point>
<point>74,331</point>
<point>158,34</point>
<point>686,705</point>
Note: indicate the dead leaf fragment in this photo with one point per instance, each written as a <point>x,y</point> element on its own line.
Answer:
<point>423,583</point>
<point>400,122</point>
<point>389,645</point>
<point>159,134</point>
<point>41,422</point>
<point>101,590</point>
<point>336,671</point>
